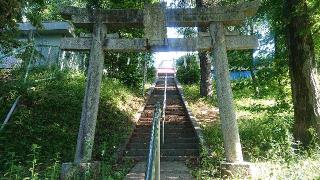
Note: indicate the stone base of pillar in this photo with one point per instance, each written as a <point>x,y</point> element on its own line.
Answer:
<point>236,170</point>
<point>80,171</point>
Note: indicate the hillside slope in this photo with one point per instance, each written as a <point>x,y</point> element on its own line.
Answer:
<point>42,131</point>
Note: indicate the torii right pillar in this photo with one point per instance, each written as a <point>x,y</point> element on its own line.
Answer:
<point>234,166</point>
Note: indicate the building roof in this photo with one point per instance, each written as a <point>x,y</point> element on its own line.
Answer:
<point>49,28</point>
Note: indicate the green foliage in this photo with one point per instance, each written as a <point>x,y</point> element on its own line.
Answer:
<point>130,72</point>
<point>42,132</point>
<point>273,134</point>
<point>265,138</point>
<point>151,74</point>
<point>189,74</point>
<point>11,12</point>
<point>193,95</point>
<point>264,127</point>
<point>314,11</point>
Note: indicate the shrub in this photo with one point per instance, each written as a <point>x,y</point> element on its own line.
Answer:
<point>189,74</point>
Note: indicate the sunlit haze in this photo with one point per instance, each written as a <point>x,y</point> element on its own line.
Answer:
<point>166,59</point>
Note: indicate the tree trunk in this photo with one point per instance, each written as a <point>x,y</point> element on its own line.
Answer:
<point>206,81</point>
<point>303,71</point>
<point>205,65</point>
<point>255,83</point>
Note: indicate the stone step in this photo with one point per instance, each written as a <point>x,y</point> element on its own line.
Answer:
<point>168,140</point>
<point>172,108</point>
<point>168,122</point>
<point>164,176</point>
<point>176,96</point>
<point>166,135</point>
<point>180,113</point>
<point>168,170</point>
<point>185,126</point>
<point>163,158</point>
<point>170,94</point>
<point>165,145</point>
<point>181,108</point>
<point>168,126</point>
<point>146,115</point>
<point>172,114</point>
<point>171,99</point>
<point>169,118</point>
<point>169,111</point>
<point>160,90</point>
<point>167,130</point>
<point>152,106</point>
<point>162,83</point>
<point>169,102</point>
<point>164,152</point>
<point>170,90</point>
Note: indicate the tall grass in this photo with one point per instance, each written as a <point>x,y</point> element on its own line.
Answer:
<point>265,130</point>
<point>42,132</point>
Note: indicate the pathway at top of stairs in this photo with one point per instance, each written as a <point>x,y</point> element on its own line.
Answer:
<point>181,142</point>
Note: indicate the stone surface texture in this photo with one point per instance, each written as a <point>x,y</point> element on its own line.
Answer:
<point>236,170</point>
<point>231,139</point>
<point>91,99</point>
<point>154,22</point>
<point>229,15</point>
<point>168,170</point>
<point>76,171</point>
<point>172,44</point>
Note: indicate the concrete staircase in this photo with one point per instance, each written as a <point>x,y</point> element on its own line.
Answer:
<point>181,142</point>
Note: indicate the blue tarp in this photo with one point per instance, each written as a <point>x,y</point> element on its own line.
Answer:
<point>236,75</point>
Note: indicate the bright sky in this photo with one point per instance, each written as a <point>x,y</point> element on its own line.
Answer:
<point>166,58</point>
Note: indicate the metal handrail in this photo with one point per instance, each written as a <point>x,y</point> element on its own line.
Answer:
<point>153,164</point>
<point>14,52</point>
<point>164,107</point>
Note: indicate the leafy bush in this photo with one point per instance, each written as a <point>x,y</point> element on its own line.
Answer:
<point>189,74</point>
<point>128,68</point>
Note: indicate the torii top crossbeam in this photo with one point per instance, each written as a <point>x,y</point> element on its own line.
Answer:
<point>187,17</point>
<point>155,18</point>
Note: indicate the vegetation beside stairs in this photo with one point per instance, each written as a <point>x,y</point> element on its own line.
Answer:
<point>42,132</point>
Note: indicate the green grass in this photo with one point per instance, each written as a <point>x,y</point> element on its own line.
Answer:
<point>265,131</point>
<point>42,132</point>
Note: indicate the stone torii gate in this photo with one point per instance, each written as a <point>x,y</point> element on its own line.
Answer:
<point>155,18</point>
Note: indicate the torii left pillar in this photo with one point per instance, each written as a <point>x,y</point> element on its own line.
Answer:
<point>82,162</point>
